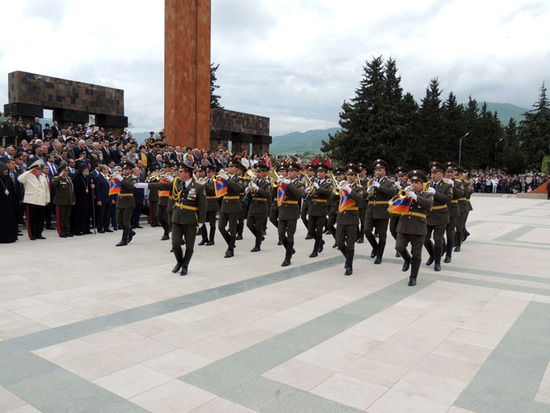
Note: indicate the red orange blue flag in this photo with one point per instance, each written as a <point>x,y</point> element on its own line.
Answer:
<point>221,188</point>
<point>115,187</point>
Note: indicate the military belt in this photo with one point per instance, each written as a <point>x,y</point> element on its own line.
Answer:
<point>231,197</point>
<point>192,208</point>
<point>417,214</point>
<point>290,202</point>
<point>126,194</point>
<point>211,197</point>
<point>350,209</point>
<point>455,201</point>
<point>439,207</point>
<point>462,199</point>
<point>260,199</point>
<point>319,200</point>
<point>378,202</point>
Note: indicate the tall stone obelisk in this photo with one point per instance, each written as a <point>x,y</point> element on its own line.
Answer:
<point>187,73</point>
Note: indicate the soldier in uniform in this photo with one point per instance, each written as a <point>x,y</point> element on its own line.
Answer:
<point>304,211</point>
<point>231,207</point>
<point>438,216</point>
<point>362,204</point>
<point>212,206</point>
<point>274,212</point>
<point>318,196</point>
<point>125,203</point>
<point>244,202</point>
<point>64,200</point>
<point>189,213</point>
<point>412,225</point>
<point>260,193</point>
<point>462,208</point>
<point>468,191</point>
<point>96,156</point>
<point>401,183</point>
<point>380,191</point>
<point>334,201</point>
<point>162,207</point>
<point>347,220</point>
<point>290,191</point>
<point>454,212</point>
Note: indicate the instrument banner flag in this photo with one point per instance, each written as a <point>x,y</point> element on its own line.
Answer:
<point>281,194</point>
<point>221,188</point>
<point>346,201</point>
<point>115,187</point>
<point>400,205</point>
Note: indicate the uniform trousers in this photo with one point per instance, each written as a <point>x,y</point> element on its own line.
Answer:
<point>346,236</point>
<point>35,218</point>
<point>63,213</point>
<point>231,218</point>
<point>417,241</point>
<point>450,229</point>
<point>394,220</point>
<point>274,215</point>
<point>256,225</point>
<point>380,226</point>
<point>315,225</point>
<point>331,224</point>
<point>439,232</point>
<point>123,216</point>
<point>287,229</point>
<point>186,233</point>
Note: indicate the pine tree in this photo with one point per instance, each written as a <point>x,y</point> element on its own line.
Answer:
<point>431,125</point>
<point>513,159</point>
<point>453,127</point>
<point>535,131</point>
<point>214,99</point>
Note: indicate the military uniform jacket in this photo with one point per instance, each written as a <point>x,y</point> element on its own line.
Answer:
<point>290,209</point>
<point>274,204</point>
<point>334,199</point>
<point>64,191</point>
<point>458,192</point>
<point>211,200</point>
<point>231,202</point>
<point>189,203</point>
<point>261,198</point>
<point>362,203</point>
<point>125,198</point>
<point>319,199</point>
<point>350,216</point>
<point>400,186</point>
<point>96,157</point>
<point>439,214</point>
<point>463,201</point>
<point>414,222</point>
<point>379,198</point>
<point>468,191</point>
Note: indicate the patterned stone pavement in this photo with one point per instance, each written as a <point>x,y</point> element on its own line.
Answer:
<point>87,327</point>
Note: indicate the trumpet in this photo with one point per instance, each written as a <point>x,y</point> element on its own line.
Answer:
<point>403,192</point>
<point>219,174</point>
<point>274,178</point>
<point>157,176</point>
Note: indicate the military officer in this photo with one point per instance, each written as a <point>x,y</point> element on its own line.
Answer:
<point>438,216</point>
<point>212,206</point>
<point>162,207</point>
<point>125,203</point>
<point>304,211</point>
<point>231,207</point>
<point>401,182</point>
<point>347,220</point>
<point>189,213</point>
<point>454,211</point>
<point>468,191</point>
<point>259,191</point>
<point>380,191</point>
<point>318,196</point>
<point>363,180</point>
<point>274,212</point>
<point>290,191</point>
<point>64,199</point>
<point>412,225</point>
<point>462,208</point>
<point>334,200</point>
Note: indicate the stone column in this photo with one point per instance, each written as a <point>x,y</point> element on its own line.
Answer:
<point>187,73</point>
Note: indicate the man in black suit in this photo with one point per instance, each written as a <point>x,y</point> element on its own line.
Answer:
<point>102,199</point>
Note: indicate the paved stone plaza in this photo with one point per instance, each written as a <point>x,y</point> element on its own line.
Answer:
<point>87,327</point>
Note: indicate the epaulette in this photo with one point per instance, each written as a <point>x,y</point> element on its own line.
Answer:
<point>447,181</point>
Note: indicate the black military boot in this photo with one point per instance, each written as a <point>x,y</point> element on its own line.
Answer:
<point>230,248</point>
<point>166,235</point>
<point>437,253</point>
<point>374,245</point>
<point>430,248</point>
<point>458,241</point>
<point>211,238</point>
<point>288,253</point>
<point>415,266</point>
<point>185,263</point>
<point>380,252</point>
<point>204,234</point>
<point>407,261</point>
<point>449,254</point>
<point>259,238</point>
<point>178,253</point>
<point>321,245</point>
<point>349,261</point>
<point>131,234</point>
<point>124,240</point>
<point>315,248</point>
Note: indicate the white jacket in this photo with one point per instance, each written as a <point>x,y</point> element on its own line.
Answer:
<point>37,190</point>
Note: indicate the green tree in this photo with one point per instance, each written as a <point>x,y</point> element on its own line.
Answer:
<point>214,99</point>
<point>535,131</point>
<point>453,127</point>
<point>514,160</point>
<point>431,126</point>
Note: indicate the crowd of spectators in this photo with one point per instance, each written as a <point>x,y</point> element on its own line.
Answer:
<point>502,183</point>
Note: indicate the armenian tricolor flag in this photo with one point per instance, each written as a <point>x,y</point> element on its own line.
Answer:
<point>281,194</point>
<point>346,201</point>
<point>115,187</point>
<point>221,188</point>
<point>400,205</point>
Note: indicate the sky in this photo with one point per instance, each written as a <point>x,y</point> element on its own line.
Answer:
<point>294,61</point>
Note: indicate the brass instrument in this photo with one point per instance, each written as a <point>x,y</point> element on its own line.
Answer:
<point>156,177</point>
<point>251,177</point>
<point>219,174</point>
<point>274,178</point>
<point>403,193</point>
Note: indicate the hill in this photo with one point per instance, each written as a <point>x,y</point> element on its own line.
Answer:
<point>300,142</point>
<point>505,111</point>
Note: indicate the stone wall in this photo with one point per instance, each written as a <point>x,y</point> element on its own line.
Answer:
<point>242,129</point>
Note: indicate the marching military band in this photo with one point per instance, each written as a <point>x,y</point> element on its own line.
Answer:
<point>420,209</point>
